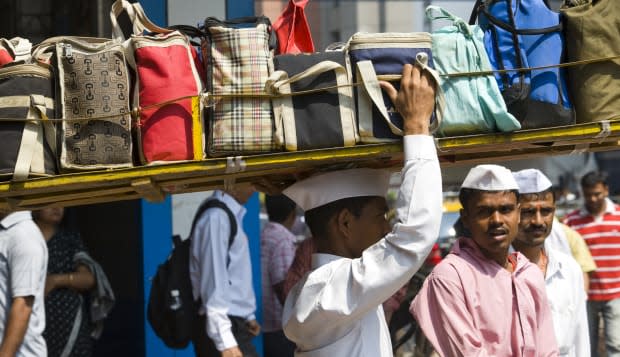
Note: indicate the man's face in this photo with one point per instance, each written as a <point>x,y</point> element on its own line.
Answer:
<point>594,198</point>
<point>492,218</point>
<point>370,226</point>
<point>537,212</point>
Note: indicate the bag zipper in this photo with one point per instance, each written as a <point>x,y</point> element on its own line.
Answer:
<point>69,46</point>
<point>364,38</point>
<point>25,69</point>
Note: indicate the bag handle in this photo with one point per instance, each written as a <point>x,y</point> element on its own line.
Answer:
<point>278,81</point>
<point>249,20</point>
<point>139,21</point>
<point>446,15</point>
<point>474,12</point>
<point>368,76</point>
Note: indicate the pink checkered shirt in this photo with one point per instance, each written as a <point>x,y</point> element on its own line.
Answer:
<point>277,253</point>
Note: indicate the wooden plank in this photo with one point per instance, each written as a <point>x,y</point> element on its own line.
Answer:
<point>148,189</point>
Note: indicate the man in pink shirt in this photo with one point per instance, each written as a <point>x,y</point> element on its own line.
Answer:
<point>481,300</point>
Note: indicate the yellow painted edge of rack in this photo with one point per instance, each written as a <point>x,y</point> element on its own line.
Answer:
<point>529,136</point>
<point>255,164</point>
<point>213,166</point>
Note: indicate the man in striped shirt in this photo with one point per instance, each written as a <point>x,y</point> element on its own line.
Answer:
<point>599,224</point>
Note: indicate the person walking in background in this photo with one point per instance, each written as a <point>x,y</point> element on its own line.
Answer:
<point>23,263</point>
<point>481,300</point>
<point>68,287</point>
<point>563,276</point>
<point>221,277</point>
<point>277,253</point>
<point>598,222</point>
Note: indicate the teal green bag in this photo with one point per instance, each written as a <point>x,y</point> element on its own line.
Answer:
<point>474,104</point>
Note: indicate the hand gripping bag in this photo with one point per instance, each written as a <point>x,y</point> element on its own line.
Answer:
<point>376,56</point>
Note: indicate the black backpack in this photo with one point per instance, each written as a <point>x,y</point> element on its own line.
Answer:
<point>171,309</point>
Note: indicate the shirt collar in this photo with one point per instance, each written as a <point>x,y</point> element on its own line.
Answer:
<point>320,259</point>
<point>468,244</point>
<point>14,218</point>
<point>237,209</point>
<point>610,207</point>
<point>554,266</point>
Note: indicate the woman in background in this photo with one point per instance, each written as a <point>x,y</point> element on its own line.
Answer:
<point>67,323</point>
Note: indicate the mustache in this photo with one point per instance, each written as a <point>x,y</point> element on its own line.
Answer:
<point>533,228</point>
<point>498,229</point>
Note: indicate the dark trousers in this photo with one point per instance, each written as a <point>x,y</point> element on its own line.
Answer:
<point>277,345</point>
<point>204,346</point>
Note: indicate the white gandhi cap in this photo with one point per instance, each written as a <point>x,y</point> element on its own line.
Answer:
<point>531,181</point>
<point>490,178</point>
<point>328,187</point>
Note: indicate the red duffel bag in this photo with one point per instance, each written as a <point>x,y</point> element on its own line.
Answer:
<point>170,125</point>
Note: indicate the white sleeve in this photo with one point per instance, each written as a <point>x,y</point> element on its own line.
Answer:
<point>210,248</point>
<point>27,260</point>
<point>343,291</point>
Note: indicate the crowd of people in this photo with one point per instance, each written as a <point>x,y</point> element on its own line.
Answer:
<point>517,282</point>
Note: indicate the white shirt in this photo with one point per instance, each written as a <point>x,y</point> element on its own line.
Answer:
<point>223,291</point>
<point>23,269</point>
<point>556,239</point>
<point>335,310</point>
<point>567,299</point>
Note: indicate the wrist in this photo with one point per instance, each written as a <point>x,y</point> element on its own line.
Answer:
<point>416,127</point>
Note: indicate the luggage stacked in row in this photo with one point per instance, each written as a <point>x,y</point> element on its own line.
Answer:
<point>152,95</point>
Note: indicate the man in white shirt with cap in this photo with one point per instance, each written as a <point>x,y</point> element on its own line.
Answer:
<point>335,310</point>
<point>563,276</point>
<point>481,300</point>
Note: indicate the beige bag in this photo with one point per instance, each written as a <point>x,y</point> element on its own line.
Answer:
<point>93,83</point>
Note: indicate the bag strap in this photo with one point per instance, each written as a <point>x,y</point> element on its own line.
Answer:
<point>138,19</point>
<point>279,82</point>
<point>474,12</point>
<point>368,76</point>
<point>215,203</point>
<point>30,154</point>
<point>513,30</point>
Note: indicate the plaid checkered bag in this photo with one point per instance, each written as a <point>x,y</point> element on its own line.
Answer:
<point>237,56</point>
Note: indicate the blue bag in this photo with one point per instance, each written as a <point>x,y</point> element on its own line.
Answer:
<point>522,34</point>
<point>384,54</point>
<point>474,105</point>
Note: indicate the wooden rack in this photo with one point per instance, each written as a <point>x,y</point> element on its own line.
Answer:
<point>155,182</point>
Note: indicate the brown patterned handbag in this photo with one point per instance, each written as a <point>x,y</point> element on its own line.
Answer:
<point>93,101</point>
